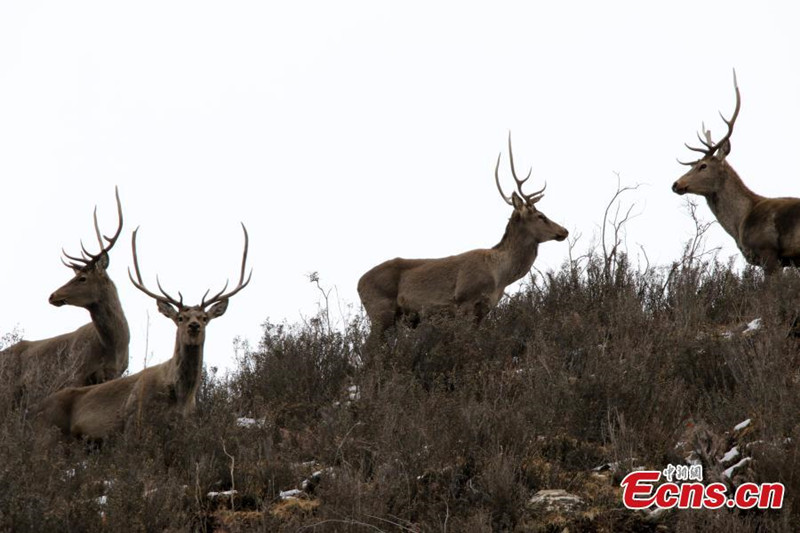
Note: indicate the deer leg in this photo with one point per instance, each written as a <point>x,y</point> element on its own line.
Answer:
<point>769,261</point>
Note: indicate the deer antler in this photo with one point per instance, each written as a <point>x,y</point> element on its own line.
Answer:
<point>242,283</point>
<point>163,297</point>
<point>710,146</point>
<point>529,198</point>
<point>87,258</point>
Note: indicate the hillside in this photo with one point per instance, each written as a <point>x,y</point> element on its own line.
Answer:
<point>571,383</point>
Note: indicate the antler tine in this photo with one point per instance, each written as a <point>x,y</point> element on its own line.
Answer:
<point>497,181</point>
<point>179,303</point>
<point>213,298</point>
<point>70,265</point>
<point>111,240</point>
<point>222,295</point>
<point>140,283</point>
<point>710,146</point>
<point>687,163</point>
<point>97,230</point>
<point>514,171</point>
<point>82,260</point>
<point>735,115</point>
<point>88,257</point>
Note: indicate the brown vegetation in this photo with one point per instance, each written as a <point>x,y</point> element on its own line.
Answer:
<point>568,384</point>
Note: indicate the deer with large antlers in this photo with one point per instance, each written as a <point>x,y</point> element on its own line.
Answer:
<point>470,283</point>
<point>766,230</point>
<point>93,353</point>
<point>169,388</point>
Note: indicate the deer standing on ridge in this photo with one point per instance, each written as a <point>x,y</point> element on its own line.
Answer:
<point>766,230</point>
<point>470,283</point>
<point>93,353</point>
<point>170,388</point>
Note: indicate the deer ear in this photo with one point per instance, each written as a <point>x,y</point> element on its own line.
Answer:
<point>218,309</point>
<point>102,261</point>
<point>517,202</point>
<point>724,150</point>
<point>167,310</point>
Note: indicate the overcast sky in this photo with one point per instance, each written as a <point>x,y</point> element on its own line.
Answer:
<point>346,133</point>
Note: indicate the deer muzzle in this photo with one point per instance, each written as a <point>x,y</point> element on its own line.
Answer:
<point>57,300</point>
<point>679,188</point>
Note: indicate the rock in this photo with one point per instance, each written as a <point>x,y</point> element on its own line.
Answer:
<point>556,501</point>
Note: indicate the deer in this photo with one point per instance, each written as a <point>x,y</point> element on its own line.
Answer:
<point>169,389</point>
<point>468,284</point>
<point>766,230</point>
<point>95,352</point>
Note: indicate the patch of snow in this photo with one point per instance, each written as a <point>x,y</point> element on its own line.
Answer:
<point>730,455</point>
<point>102,500</point>
<point>752,326</point>
<point>246,422</point>
<point>741,425</point>
<point>729,472</point>
<point>693,459</point>
<point>354,393</point>
<point>225,493</point>
<point>290,494</point>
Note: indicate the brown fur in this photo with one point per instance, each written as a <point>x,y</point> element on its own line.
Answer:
<point>94,353</point>
<point>167,389</point>
<point>98,411</point>
<point>470,283</point>
<point>766,230</point>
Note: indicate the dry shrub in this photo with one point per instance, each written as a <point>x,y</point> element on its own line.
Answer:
<point>448,426</point>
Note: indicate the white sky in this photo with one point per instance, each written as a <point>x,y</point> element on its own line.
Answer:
<point>346,133</point>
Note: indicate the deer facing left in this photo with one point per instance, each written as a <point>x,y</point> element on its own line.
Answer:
<point>165,390</point>
<point>95,352</point>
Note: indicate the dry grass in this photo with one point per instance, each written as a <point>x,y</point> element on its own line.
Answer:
<point>452,427</point>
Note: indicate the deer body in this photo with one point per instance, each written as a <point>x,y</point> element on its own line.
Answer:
<point>95,352</point>
<point>98,411</point>
<point>470,283</point>
<point>766,230</point>
<point>165,390</point>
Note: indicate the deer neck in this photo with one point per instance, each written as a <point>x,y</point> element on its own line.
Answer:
<point>109,321</point>
<point>187,372</point>
<point>732,203</point>
<point>516,252</point>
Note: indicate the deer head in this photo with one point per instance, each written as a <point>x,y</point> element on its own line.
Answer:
<point>707,174</point>
<point>190,320</point>
<point>90,283</point>
<point>533,221</point>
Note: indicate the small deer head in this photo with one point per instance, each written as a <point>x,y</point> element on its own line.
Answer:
<point>90,283</point>
<point>191,321</point>
<point>533,221</point>
<point>707,174</point>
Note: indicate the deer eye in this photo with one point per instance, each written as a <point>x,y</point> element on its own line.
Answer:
<point>702,167</point>
<point>204,319</point>
<point>180,318</point>
<point>82,279</point>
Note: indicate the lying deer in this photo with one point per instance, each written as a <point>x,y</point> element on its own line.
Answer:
<point>95,352</point>
<point>470,283</point>
<point>169,388</point>
<point>766,230</point>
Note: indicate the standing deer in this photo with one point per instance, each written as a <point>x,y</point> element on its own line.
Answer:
<point>766,230</point>
<point>93,353</point>
<point>167,389</point>
<point>470,283</point>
